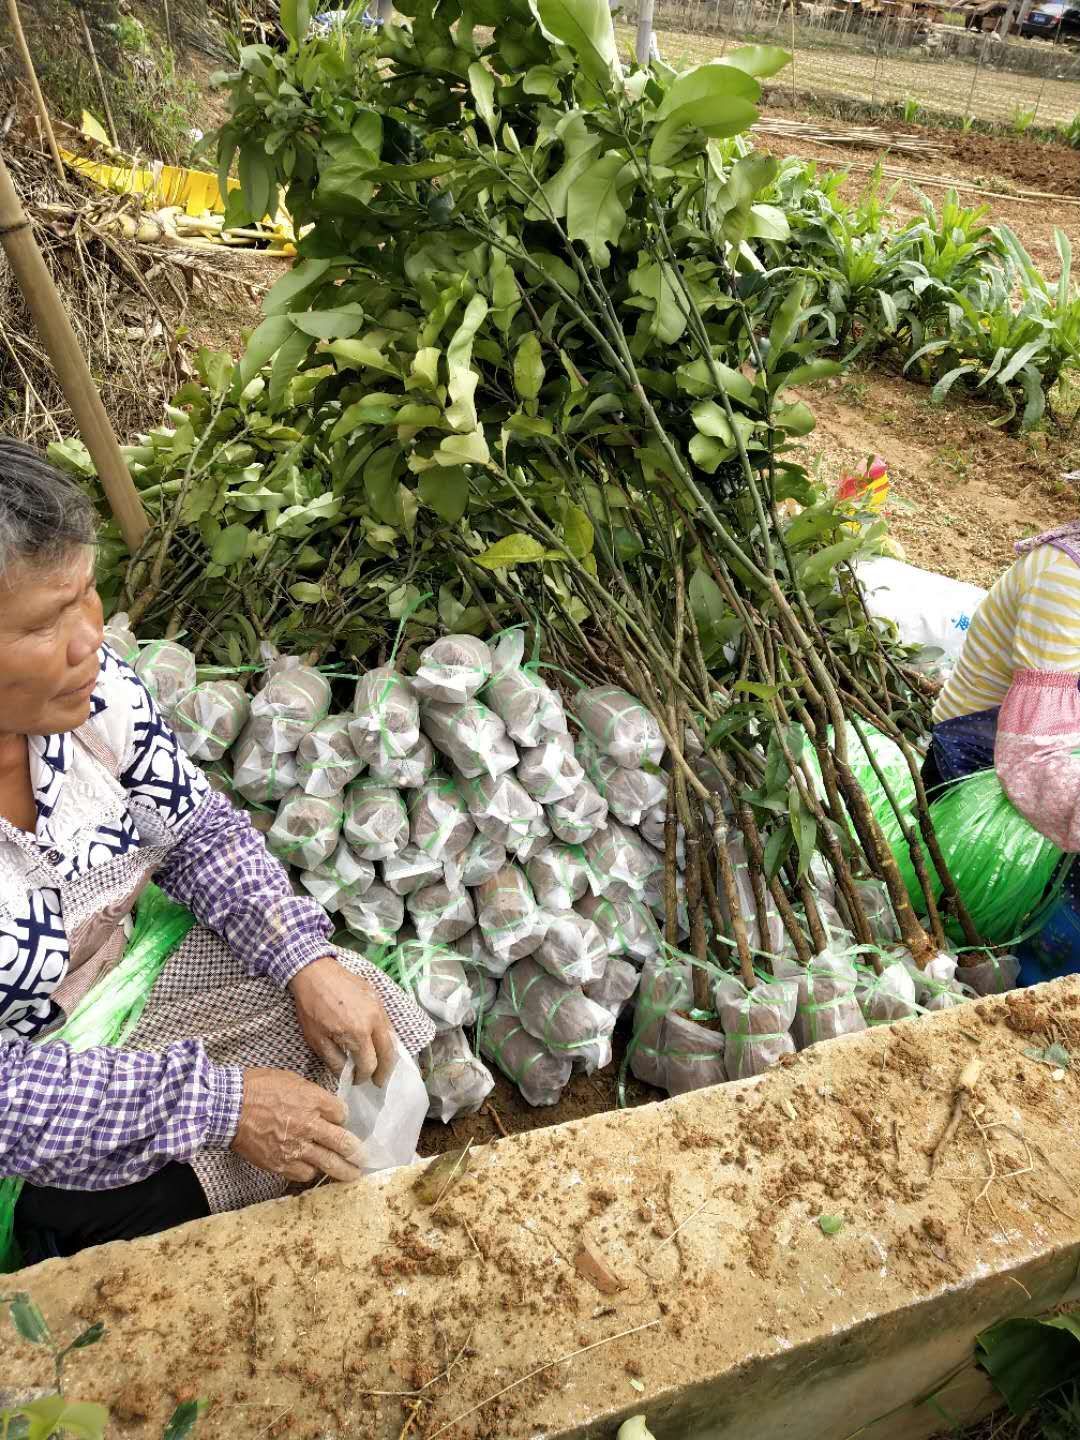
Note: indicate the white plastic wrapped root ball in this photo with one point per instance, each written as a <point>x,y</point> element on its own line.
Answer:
<point>120,637</point>
<point>621,862</point>
<point>471,736</point>
<point>480,860</point>
<point>524,847</point>
<point>560,876</point>
<point>436,979</point>
<point>827,1005</point>
<point>936,986</point>
<point>630,794</point>
<point>410,869</point>
<point>325,759</point>
<point>385,722</point>
<point>510,920</point>
<point>620,726</point>
<point>440,914</point>
<point>167,670</point>
<point>573,949</point>
<point>550,771</point>
<point>530,709</point>
<point>208,720</point>
<point>580,816</point>
<point>653,828</point>
<point>756,1023</point>
<point>294,698</point>
<point>616,987</point>
<point>260,776</point>
<point>539,1075</point>
<point>344,876</point>
<point>993,975</point>
<point>484,989</point>
<point>376,821</point>
<point>452,669</point>
<point>457,1081</point>
<point>628,926</point>
<point>502,810</point>
<point>559,1015</point>
<point>377,915</point>
<point>404,772</point>
<point>477,957</point>
<point>668,1049</point>
<point>874,897</point>
<point>306,830</point>
<point>439,821</point>
<point>886,997</point>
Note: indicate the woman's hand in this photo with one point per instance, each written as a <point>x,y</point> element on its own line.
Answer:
<point>341,1015</point>
<point>293,1128</point>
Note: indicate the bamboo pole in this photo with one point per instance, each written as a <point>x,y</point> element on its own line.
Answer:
<point>50,317</point>
<point>32,80</point>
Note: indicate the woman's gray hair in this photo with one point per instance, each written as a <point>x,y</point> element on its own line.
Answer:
<point>44,516</point>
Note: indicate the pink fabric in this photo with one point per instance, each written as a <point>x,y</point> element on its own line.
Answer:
<point>1038,734</point>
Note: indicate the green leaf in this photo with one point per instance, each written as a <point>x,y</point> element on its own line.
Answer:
<point>446,491</point>
<point>266,339</point>
<point>1026,1358</point>
<point>595,213</point>
<point>295,19</point>
<point>461,413</point>
<point>284,293</point>
<point>813,370</point>
<point>381,487</point>
<point>817,568</point>
<point>517,549</point>
<point>90,1336</point>
<point>463,450</point>
<point>306,593</point>
<point>52,1414</point>
<point>529,367</point>
<point>578,532</point>
<point>711,419</point>
<point>585,28</point>
<point>797,419</point>
<point>580,147</point>
<point>336,324</point>
<point>655,282</point>
<point>759,60</point>
<point>231,545</point>
<point>804,826</point>
<point>831,1224</point>
<point>183,1419</point>
<point>709,454</point>
<point>256,178</point>
<point>482,85</point>
<point>28,1320</point>
<point>776,848</point>
<point>785,323</point>
<point>715,98</point>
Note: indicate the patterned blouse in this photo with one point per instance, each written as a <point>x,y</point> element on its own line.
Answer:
<point>105,1117</point>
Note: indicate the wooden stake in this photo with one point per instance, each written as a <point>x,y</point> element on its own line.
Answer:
<point>50,317</point>
<point>100,78</point>
<point>32,80</point>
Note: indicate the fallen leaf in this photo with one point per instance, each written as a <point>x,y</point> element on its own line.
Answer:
<point>443,1172</point>
<point>596,1270</point>
<point>831,1224</point>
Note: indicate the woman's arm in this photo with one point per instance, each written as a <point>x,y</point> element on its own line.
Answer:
<point>100,1118</point>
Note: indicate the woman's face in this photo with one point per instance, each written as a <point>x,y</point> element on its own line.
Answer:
<point>50,634</point>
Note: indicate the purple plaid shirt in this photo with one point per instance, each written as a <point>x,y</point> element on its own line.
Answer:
<point>101,1118</point>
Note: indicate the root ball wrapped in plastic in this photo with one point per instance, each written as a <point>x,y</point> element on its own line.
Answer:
<point>453,669</point>
<point>616,987</point>
<point>560,876</point>
<point>376,821</point>
<point>440,914</point>
<point>404,772</point>
<point>630,794</point>
<point>628,926</point>
<point>471,736</point>
<point>168,672</point>
<point>874,898</point>
<point>510,920</point>
<point>344,876</point>
<point>756,1023</point>
<point>770,939</point>
<point>620,726</point>
<point>886,997</point>
<point>502,810</point>
<point>457,1081</point>
<point>654,830</point>
<point>620,861</point>
<point>259,775</point>
<point>477,957</point>
<point>436,979</point>
<point>580,816</point>
<point>993,975</point>
<point>325,759</point>
<point>559,1015</point>
<point>480,860</point>
<point>573,949</point>
<point>539,1075</point>
<point>377,915</point>
<point>385,722</point>
<point>668,1049</point>
<point>439,821</point>
<point>208,720</point>
<point>410,869</point>
<point>484,989</point>
<point>293,700</point>
<point>936,985</point>
<point>550,771</point>
<point>120,637</point>
<point>528,707</point>
<point>306,830</point>
<point>827,1005</point>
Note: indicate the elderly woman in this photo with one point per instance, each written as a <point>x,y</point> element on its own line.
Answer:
<point>224,1094</point>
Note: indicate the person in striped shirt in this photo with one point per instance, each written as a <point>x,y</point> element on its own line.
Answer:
<point>1012,700</point>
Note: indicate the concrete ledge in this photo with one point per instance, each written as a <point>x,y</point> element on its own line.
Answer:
<point>294,1315</point>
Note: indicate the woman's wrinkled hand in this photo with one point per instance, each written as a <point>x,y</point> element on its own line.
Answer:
<point>341,1015</point>
<point>293,1128</point>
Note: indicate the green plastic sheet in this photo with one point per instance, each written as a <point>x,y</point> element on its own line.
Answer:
<point>108,1013</point>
